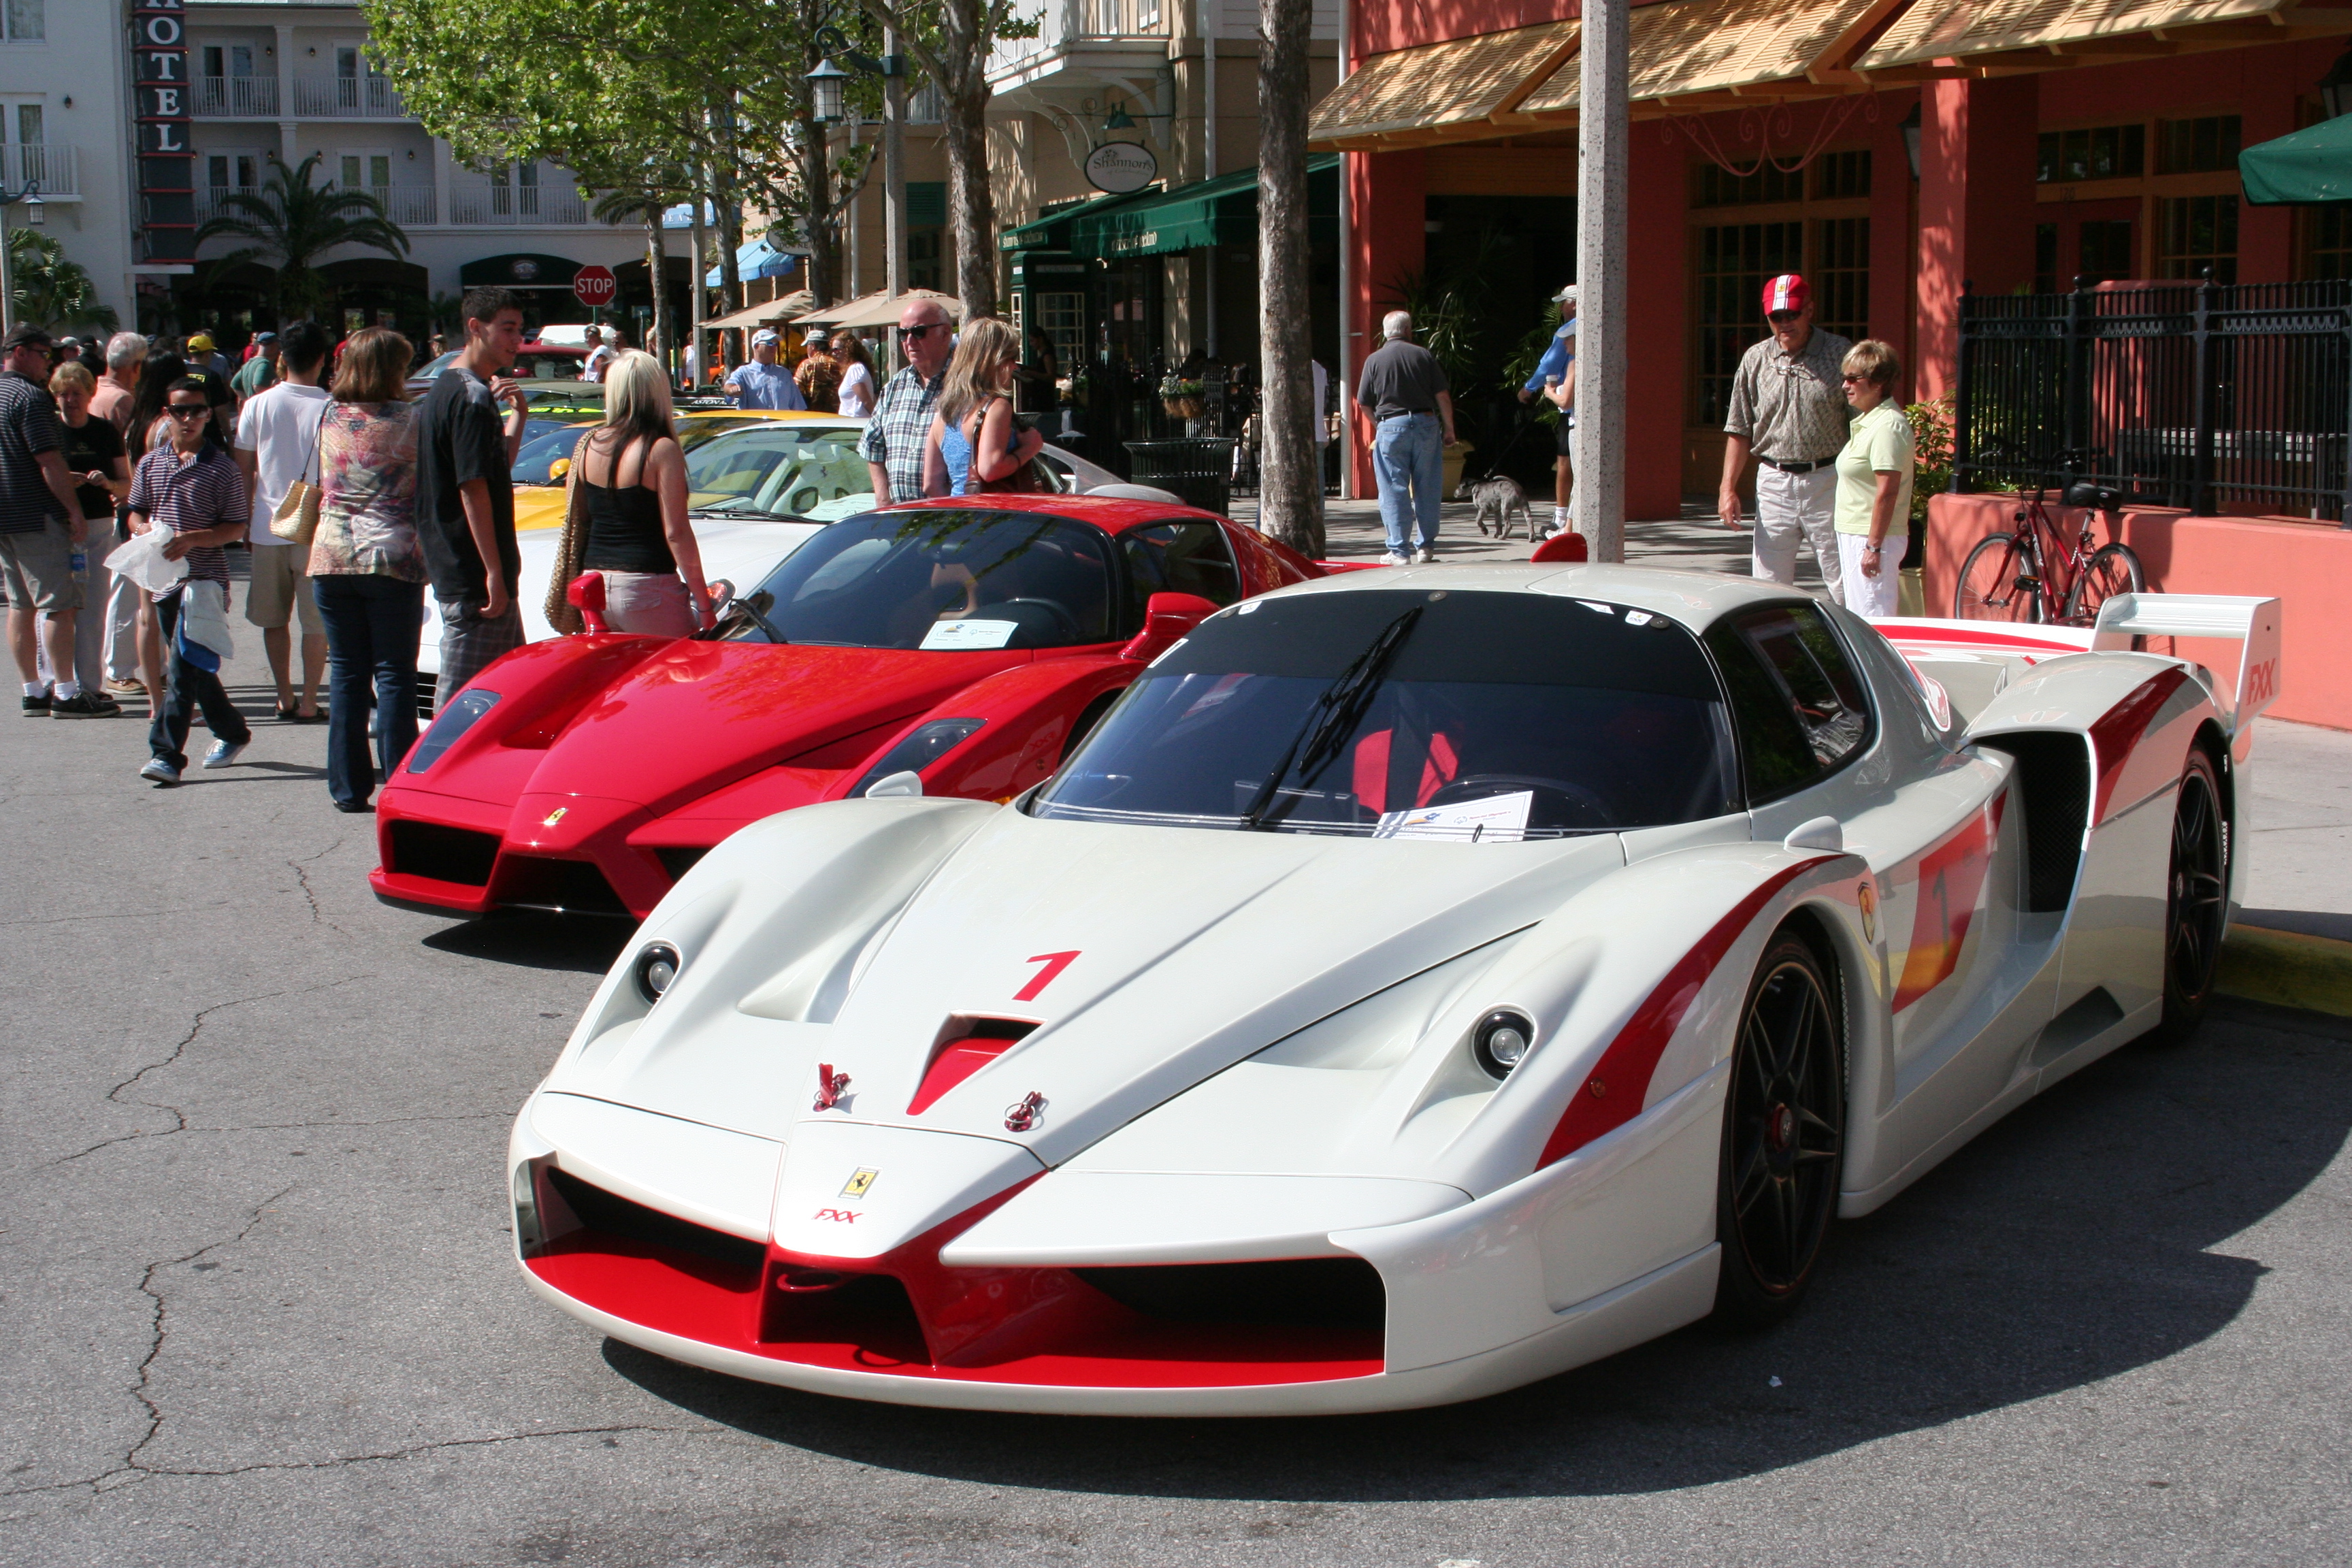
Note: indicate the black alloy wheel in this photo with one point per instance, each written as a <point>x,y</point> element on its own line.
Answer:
<point>2196,898</point>
<point>1998,583</point>
<point>1783,1136</point>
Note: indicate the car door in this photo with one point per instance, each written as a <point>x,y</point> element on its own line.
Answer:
<point>1819,738</point>
<point>1182,555</point>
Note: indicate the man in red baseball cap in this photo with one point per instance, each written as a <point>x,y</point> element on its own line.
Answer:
<point>1789,411</point>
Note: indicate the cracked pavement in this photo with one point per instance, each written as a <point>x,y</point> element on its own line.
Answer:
<point>259,1307</point>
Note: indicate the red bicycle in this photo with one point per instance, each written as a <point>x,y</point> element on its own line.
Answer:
<point>2038,573</point>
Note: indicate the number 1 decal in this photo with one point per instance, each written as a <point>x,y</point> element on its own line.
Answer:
<point>1055,964</point>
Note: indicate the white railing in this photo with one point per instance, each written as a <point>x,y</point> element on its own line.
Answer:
<point>212,201</point>
<point>1121,18</point>
<point>347,98</point>
<point>53,168</point>
<point>477,200</point>
<point>236,98</point>
<point>410,206</point>
<point>926,106</point>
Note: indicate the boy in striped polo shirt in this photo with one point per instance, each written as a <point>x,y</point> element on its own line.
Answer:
<point>193,490</point>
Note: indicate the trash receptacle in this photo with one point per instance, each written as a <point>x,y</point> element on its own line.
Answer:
<point>1197,467</point>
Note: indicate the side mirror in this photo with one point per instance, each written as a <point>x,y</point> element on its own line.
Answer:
<point>1167,617</point>
<point>896,785</point>
<point>1820,832</point>
<point>586,594</point>
<point>722,593</point>
<point>1565,547</point>
<point>557,468</point>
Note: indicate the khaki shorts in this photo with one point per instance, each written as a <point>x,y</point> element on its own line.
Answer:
<point>38,568</point>
<point>280,587</point>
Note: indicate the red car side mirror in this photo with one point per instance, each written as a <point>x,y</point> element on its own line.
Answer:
<point>1166,618</point>
<point>1569,547</point>
<point>587,595</point>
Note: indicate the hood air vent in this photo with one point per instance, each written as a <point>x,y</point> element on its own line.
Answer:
<point>967,1043</point>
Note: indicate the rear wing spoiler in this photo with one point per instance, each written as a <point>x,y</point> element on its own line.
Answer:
<point>2251,623</point>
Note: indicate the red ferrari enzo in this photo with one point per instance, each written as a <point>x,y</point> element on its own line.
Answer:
<point>948,647</point>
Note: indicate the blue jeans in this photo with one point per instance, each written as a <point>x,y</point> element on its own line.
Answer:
<point>185,690</point>
<point>372,623</point>
<point>1409,461</point>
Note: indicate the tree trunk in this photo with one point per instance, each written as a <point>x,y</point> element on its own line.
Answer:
<point>1290,487</point>
<point>972,212</point>
<point>658,276</point>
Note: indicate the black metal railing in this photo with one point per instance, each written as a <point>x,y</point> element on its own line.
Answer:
<point>2194,394</point>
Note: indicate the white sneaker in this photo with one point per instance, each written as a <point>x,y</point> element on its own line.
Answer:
<point>161,772</point>
<point>1393,559</point>
<point>223,753</point>
<point>1425,557</point>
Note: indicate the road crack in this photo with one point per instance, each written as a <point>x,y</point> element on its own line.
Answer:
<point>303,884</point>
<point>195,1027</point>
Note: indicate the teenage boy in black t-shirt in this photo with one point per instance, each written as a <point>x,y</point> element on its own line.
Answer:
<point>465,492</point>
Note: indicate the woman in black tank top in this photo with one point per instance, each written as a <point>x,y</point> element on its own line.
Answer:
<point>632,525</point>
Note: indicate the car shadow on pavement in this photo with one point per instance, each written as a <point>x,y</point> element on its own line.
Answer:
<point>585,944</point>
<point>2086,1235</point>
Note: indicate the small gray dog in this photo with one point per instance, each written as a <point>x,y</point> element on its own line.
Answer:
<point>1499,496</point>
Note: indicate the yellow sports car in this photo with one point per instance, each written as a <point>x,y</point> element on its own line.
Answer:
<point>546,456</point>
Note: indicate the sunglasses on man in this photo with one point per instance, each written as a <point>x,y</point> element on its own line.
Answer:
<point>908,335</point>
<point>187,410</point>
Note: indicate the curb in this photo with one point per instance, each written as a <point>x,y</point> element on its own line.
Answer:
<point>2286,969</point>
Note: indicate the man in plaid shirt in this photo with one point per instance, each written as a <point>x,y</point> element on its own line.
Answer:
<point>892,446</point>
<point>192,489</point>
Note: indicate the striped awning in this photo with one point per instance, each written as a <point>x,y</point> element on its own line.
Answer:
<point>1983,37</point>
<point>1453,90</point>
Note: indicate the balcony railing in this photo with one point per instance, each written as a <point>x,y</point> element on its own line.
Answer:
<point>1121,18</point>
<point>212,201</point>
<point>347,98</point>
<point>410,206</point>
<point>479,200</point>
<point>236,98</point>
<point>53,168</point>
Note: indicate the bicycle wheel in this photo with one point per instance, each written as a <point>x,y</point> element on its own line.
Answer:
<point>1997,583</point>
<point>2113,568</point>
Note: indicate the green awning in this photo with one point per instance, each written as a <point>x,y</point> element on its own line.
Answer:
<point>1222,211</point>
<point>1052,231</point>
<point>2314,164</point>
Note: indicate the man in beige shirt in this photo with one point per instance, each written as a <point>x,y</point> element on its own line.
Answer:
<point>1789,408</point>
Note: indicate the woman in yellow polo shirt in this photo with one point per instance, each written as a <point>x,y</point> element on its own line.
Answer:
<point>1874,491</point>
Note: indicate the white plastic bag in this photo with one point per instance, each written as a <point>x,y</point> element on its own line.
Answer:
<point>143,561</point>
<point>203,622</point>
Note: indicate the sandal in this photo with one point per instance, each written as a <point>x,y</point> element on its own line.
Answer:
<point>287,714</point>
<point>302,717</point>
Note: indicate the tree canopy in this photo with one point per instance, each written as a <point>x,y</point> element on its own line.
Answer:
<point>290,221</point>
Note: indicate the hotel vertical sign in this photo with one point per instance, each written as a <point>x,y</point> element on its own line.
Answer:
<point>167,164</point>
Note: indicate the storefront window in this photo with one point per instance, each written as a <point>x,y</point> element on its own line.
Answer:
<point>2091,152</point>
<point>2198,146</point>
<point>1713,186</point>
<point>1734,260</point>
<point>2326,247</point>
<point>1841,277</point>
<point>2106,250</point>
<point>923,258</point>
<point>2193,233</point>
<point>1838,175</point>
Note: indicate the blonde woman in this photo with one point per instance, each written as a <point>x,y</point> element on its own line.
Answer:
<point>628,519</point>
<point>1874,481</point>
<point>975,445</point>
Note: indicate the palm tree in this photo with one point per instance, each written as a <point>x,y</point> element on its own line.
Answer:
<point>50,291</point>
<point>291,222</point>
<point>645,206</point>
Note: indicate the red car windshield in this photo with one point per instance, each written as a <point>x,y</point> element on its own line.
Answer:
<point>1463,715</point>
<point>940,580</point>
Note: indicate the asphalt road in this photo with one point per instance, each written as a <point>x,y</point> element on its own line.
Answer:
<point>257,1306</point>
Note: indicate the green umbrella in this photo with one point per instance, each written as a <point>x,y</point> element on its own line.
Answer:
<point>2314,164</point>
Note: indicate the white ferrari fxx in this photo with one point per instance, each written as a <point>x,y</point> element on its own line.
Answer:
<point>1421,982</point>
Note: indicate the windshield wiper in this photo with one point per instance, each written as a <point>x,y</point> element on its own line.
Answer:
<point>1334,715</point>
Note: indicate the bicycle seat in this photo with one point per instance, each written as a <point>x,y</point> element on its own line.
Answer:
<point>2083,493</point>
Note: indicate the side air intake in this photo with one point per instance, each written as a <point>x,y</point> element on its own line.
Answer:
<point>2054,775</point>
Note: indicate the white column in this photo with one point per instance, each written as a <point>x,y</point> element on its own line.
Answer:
<point>1603,135</point>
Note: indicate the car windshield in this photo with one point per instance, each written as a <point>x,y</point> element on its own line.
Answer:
<point>1392,713</point>
<point>779,466</point>
<point>535,363</point>
<point>546,442</point>
<point>937,579</point>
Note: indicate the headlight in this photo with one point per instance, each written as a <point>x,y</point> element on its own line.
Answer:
<point>465,711</point>
<point>1502,1040</point>
<point>919,750</point>
<point>657,967</point>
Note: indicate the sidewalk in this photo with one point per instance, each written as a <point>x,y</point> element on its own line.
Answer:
<point>1694,542</point>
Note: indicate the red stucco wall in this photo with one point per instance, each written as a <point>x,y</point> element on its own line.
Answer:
<point>2307,566</point>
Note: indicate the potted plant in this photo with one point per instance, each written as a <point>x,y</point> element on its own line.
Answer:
<point>1181,397</point>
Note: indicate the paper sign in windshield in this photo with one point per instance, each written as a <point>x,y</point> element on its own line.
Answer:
<point>1498,819</point>
<point>970,634</point>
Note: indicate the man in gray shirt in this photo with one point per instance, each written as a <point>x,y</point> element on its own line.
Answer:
<point>1412,423</point>
<point>1789,408</point>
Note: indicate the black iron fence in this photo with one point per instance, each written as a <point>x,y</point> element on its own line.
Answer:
<point>2214,398</point>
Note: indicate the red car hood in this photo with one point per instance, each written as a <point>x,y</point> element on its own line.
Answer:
<point>700,715</point>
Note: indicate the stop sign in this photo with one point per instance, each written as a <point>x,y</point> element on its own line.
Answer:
<point>595,285</point>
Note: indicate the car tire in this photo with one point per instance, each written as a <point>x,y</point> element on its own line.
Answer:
<point>1783,1135</point>
<point>2196,898</point>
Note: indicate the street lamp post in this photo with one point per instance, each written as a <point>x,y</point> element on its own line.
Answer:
<point>825,87</point>
<point>31,196</point>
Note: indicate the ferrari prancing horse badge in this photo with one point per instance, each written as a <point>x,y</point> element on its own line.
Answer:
<point>860,1182</point>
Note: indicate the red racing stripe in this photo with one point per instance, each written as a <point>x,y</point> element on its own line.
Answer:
<point>2119,730</point>
<point>1620,1082</point>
